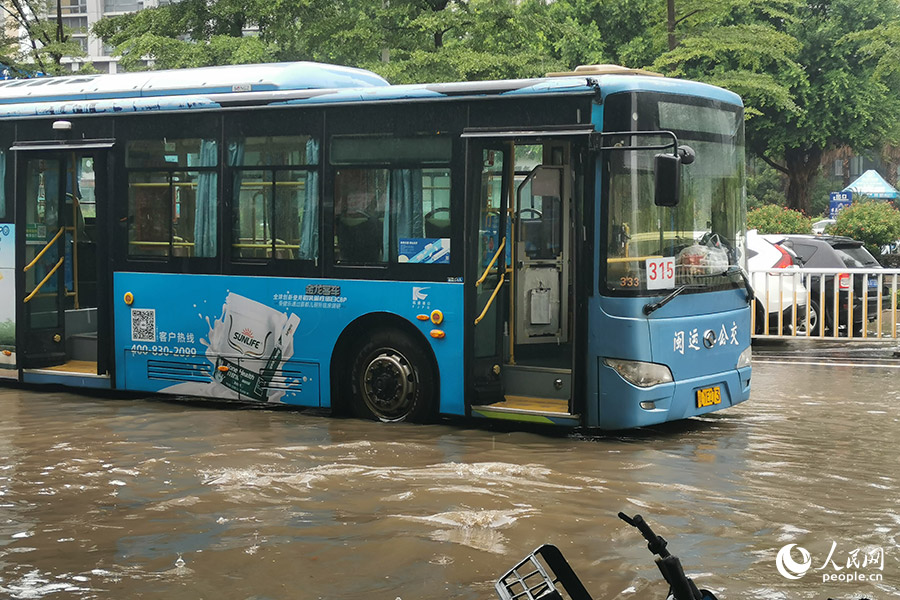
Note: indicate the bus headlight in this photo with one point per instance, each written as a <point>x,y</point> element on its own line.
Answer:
<point>745,358</point>
<point>641,374</point>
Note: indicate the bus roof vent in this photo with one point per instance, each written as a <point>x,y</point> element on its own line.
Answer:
<point>583,70</point>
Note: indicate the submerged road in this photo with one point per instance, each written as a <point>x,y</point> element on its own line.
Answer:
<point>111,498</point>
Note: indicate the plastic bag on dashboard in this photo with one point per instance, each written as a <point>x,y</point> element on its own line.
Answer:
<point>700,259</point>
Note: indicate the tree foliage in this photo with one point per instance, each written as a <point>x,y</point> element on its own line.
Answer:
<point>188,33</point>
<point>778,219</point>
<point>814,76</point>
<point>873,222</point>
<point>44,41</point>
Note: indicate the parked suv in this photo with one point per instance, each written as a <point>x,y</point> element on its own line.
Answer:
<point>774,292</point>
<point>837,252</point>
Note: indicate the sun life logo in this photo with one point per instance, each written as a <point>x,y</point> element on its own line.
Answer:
<point>244,341</point>
<point>788,567</point>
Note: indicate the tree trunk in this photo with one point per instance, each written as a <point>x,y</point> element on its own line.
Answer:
<point>670,23</point>
<point>891,157</point>
<point>60,34</point>
<point>802,167</point>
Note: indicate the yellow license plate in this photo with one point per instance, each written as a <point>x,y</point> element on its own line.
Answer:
<point>709,396</point>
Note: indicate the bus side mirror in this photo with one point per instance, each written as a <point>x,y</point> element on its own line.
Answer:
<point>667,179</point>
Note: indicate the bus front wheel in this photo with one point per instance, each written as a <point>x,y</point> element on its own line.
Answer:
<point>391,379</point>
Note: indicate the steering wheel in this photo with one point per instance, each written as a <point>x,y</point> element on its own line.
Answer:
<point>538,214</point>
<point>441,209</point>
<point>355,217</point>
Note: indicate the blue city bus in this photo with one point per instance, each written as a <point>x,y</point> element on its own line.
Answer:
<point>565,250</point>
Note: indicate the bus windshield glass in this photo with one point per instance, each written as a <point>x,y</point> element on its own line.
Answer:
<point>650,249</point>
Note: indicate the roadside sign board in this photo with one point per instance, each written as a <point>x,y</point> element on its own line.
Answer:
<point>838,202</point>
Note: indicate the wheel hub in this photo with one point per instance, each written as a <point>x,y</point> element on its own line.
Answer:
<point>389,385</point>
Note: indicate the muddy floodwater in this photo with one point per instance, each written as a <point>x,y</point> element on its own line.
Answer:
<point>116,498</point>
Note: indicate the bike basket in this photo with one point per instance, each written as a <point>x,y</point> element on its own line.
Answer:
<point>542,575</point>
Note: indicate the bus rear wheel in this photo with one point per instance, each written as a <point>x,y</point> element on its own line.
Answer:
<point>392,379</point>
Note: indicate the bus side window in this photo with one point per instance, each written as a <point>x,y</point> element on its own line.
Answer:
<point>172,197</point>
<point>399,212</point>
<point>436,202</point>
<point>148,212</point>
<point>275,212</point>
<point>360,204</point>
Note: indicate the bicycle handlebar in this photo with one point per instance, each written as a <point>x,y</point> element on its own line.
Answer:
<point>655,543</point>
<point>669,565</point>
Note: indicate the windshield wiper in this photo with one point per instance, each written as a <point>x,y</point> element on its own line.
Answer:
<point>652,306</point>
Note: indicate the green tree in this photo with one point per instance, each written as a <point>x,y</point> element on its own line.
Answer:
<point>404,40</point>
<point>873,222</point>
<point>814,76</point>
<point>764,186</point>
<point>778,219</point>
<point>482,39</point>
<point>44,40</point>
<point>188,33</point>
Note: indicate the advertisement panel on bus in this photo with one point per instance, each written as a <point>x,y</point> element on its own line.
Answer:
<point>7,301</point>
<point>266,339</point>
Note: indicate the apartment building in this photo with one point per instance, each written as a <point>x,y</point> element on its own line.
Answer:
<point>80,16</point>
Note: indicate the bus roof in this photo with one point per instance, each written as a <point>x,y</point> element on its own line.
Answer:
<point>290,84</point>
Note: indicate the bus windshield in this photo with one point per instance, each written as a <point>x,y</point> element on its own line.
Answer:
<point>704,232</point>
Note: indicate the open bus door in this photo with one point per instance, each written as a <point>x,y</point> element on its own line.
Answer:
<point>491,177</point>
<point>60,270</point>
<point>42,198</point>
<point>523,277</point>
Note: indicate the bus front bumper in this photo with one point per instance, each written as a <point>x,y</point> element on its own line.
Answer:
<point>624,406</point>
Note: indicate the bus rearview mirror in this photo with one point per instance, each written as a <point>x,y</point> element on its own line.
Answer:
<point>667,179</point>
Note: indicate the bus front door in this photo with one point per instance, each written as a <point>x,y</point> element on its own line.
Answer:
<point>60,270</point>
<point>490,273</point>
<point>523,279</point>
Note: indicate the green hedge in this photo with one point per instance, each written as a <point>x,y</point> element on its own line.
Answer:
<point>778,219</point>
<point>873,222</point>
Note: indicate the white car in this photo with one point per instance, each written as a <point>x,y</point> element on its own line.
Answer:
<point>776,292</point>
<point>818,228</point>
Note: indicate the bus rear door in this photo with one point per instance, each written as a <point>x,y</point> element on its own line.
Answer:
<point>61,266</point>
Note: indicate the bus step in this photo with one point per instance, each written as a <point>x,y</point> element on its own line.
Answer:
<point>527,408</point>
<point>532,381</point>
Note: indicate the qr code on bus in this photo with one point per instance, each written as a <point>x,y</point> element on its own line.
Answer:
<point>143,325</point>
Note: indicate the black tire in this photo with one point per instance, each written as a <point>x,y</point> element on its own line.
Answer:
<point>827,321</point>
<point>392,379</point>
<point>814,320</point>
<point>759,319</point>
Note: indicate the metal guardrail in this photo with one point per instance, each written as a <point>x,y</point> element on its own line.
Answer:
<point>845,304</point>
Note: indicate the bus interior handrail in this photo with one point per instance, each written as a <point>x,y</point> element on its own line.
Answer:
<point>659,133</point>
<point>46,278</point>
<point>43,250</point>
<point>491,264</point>
<point>491,299</point>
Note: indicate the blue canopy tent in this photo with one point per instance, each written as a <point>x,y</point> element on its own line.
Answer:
<point>873,185</point>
